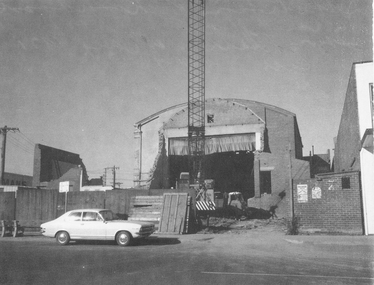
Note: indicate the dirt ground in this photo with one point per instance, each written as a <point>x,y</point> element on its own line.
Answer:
<point>219,225</point>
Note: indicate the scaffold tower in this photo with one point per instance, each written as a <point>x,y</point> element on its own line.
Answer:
<point>196,89</point>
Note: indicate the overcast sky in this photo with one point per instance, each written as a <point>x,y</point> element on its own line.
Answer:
<point>77,75</point>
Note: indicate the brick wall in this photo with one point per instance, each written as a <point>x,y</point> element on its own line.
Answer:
<point>51,165</point>
<point>348,141</point>
<point>281,135</point>
<point>324,206</point>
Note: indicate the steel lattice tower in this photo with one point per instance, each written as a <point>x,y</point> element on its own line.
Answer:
<point>196,89</point>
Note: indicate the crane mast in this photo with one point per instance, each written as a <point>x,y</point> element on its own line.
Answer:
<point>196,89</point>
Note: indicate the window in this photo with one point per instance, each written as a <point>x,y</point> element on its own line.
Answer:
<point>265,182</point>
<point>75,216</point>
<point>346,182</point>
<point>90,216</point>
<point>107,215</point>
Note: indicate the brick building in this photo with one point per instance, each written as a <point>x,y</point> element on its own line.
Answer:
<point>356,118</point>
<point>17,179</point>
<point>319,163</point>
<point>354,143</point>
<point>52,166</point>
<point>249,148</point>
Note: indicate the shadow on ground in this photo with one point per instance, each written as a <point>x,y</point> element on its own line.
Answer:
<point>142,242</point>
<point>153,240</point>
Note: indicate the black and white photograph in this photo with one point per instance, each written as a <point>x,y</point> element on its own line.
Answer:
<point>186,142</point>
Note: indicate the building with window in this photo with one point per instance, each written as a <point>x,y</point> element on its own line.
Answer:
<point>251,147</point>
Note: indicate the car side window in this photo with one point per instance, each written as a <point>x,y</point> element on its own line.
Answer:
<point>90,216</point>
<point>75,216</point>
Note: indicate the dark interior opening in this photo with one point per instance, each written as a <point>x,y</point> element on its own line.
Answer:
<point>265,182</point>
<point>231,171</point>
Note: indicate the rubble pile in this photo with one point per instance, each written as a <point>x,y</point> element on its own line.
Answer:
<point>219,225</point>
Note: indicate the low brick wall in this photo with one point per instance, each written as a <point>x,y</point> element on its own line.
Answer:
<point>329,203</point>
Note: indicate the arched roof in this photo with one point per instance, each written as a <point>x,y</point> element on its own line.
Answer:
<point>257,108</point>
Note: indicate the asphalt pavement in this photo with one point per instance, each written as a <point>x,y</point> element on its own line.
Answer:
<point>260,256</point>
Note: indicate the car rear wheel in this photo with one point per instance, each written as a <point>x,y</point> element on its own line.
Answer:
<point>123,238</point>
<point>62,238</point>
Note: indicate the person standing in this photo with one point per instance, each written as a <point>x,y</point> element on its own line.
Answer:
<point>225,199</point>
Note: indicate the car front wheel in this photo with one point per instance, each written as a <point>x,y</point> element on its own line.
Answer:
<point>62,238</point>
<point>123,238</point>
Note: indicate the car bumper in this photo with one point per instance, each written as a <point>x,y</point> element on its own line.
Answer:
<point>144,232</point>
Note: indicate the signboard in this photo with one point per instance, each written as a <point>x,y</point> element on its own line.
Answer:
<point>64,186</point>
<point>316,193</point>
<point>302,193</point>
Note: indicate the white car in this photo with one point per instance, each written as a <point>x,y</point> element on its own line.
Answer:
<point>95,224</point>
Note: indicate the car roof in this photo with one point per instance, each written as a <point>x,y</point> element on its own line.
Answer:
<point>88,210</point>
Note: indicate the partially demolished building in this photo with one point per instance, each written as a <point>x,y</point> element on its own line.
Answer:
<point>251,147</point>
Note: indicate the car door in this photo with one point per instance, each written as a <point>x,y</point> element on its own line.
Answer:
<point>73,224</point>
<point>93,225</point>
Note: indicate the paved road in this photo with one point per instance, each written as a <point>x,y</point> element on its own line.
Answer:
<point>255,258</point>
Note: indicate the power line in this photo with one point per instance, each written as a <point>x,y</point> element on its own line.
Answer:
<point>95,172</point>
<point>113,168</point>
<point>20,145</point>
<point>27,139</point>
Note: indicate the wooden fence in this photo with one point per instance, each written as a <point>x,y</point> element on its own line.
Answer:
<point>174,213</point>
<point>34,206</point>
<point>7,205</point>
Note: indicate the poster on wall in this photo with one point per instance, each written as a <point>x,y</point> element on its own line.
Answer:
<point>331,184</point>
<point>316,193</point>
<point>302,193</point>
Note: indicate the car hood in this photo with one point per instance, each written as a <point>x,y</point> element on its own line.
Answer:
<point>131,222</point>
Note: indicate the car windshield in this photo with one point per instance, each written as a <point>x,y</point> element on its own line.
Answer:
<point>107,215</point>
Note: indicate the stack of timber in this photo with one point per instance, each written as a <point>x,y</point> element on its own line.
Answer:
<point>175,213</point>
<point>146,208</point>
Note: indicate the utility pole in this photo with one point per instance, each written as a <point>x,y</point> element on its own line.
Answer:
<point>3,132</point>
<point>291,182</point>
<point>105,176</point>
<point>114,176</point>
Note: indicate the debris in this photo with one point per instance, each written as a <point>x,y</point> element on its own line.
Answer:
<point>232,226</point>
